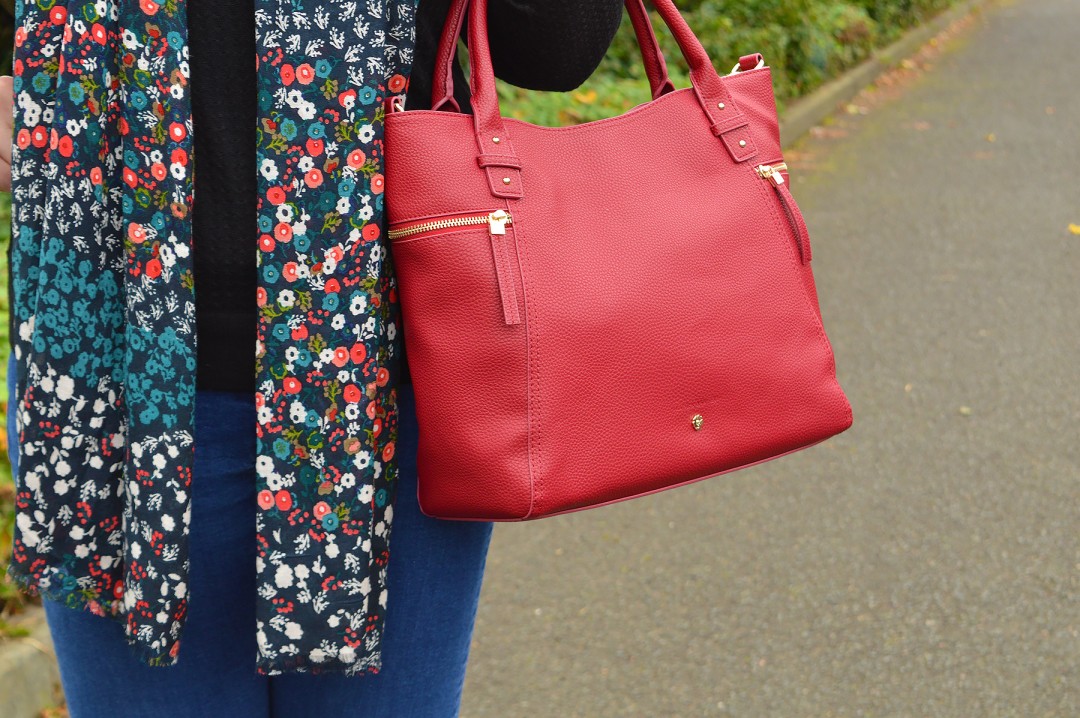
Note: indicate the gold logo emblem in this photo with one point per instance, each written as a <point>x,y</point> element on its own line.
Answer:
<point>697,420</point>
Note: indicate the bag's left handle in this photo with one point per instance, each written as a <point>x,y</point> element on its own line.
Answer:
<point>442,91</point>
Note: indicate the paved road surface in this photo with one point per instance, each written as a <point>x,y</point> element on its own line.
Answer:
<point>927,563</point>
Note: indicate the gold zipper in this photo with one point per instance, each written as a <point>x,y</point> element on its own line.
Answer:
<point>496,221</point>
<point>772,172</point>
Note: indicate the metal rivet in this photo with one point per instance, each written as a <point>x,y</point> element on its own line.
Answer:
<point>507,180</point>
<point>721,105</point>
<point>742,143</point>
<point>697,420</point>
<point>496,140</point>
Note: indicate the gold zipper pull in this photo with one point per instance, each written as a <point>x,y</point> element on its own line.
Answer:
<point>772,172</point>
<point>498,220</point>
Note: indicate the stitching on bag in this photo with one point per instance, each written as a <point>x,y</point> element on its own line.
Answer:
<point>533,436</point>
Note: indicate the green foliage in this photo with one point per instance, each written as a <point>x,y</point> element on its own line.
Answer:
<point>805,42</point>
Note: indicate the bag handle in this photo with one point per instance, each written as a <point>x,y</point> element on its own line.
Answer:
<point>496,153</point>
<point>652,56</point>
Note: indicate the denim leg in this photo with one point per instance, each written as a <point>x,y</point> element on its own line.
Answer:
<point>436,569</point>
<point>215,674</point>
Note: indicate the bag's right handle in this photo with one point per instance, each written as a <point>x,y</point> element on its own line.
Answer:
<point>651,54</point>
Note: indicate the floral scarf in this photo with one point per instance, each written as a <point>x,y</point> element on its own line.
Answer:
<point>104,313</point>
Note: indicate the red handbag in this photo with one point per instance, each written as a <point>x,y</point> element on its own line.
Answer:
<point>600,312</point>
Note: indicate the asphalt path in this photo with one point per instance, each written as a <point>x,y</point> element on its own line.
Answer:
<point>925,563</point>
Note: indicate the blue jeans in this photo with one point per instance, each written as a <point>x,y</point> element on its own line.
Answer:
<point>435,573</point>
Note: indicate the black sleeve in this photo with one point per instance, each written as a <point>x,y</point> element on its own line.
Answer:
<point>537,44</point>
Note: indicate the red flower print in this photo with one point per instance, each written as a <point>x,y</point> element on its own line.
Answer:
<point>149,7</point>
<point>267,243</point>
<point>58,15</point>
<point>23,139</point>
<point>159,172</point>
<point>388,452</point>
<point>291,385</point>
<point>346,98</point>
<point>136,233</point>
<point>287,75</point>
<point>320,509</point>
<point>283,500</point>
<point>97,31</point>
<point>300,333</point>
<point>356,159</point>
<point>341,357</point>
<point>314,147</point>
<point>371,232</point>
<point>352,393</point>
<point>266,499</point>
<point>177,132</point>
<point>66,146</point>
<point>332,285</point>
<point>275,195</point>
<point>260,296</point>
<point>382,376</point>
<point>376,427</point>
<point>179,156</point>
<point>283,232</point>
<point>305,74</point>
<point>153,269</point>
<point>378,184</point>
<point>396,83</point>
<point>130,178</point>
<point>288,271</point>
<point>358,353</point>
<point>313,178</point>
<point>336,253</point>
<point>40,137</point>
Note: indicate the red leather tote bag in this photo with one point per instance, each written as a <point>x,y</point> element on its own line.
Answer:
<point>599,312</point>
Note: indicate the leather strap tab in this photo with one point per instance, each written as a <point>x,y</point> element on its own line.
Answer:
<point>501,245</point>
<point>727,123</point>
<point>499,161</point>
<point>740,144</point>
<point>793,213</point>
<point>749,62</point>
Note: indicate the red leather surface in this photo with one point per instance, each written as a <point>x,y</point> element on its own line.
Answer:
<point>656,277</point>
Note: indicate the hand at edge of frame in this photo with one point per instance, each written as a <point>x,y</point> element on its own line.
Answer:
<point>7,121</point>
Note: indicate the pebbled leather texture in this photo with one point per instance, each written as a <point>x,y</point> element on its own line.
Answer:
<point>652,276</point>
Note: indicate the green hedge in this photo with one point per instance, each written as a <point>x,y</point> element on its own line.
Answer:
<point>805,42</point>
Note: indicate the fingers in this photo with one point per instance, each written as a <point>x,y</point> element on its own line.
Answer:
<point>7,109</point>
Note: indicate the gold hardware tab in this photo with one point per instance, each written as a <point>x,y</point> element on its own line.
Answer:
<point>772,172</point>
